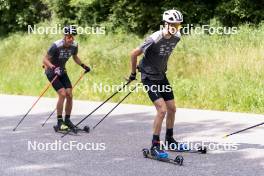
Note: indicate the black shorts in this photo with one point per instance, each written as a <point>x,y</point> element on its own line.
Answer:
<point>62,81</point>
<point>158,89</point>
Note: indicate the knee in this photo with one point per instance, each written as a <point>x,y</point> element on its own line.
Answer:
<point>62,94</point>
<point>162,111</point>
<point>172,109</point>
<point>69,95</point>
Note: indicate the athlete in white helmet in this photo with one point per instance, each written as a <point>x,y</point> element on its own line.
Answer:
<point>153,66</point>
<point>172,19</point>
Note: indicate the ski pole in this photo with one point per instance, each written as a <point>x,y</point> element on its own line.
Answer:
<point>114,107</point>
<point>244,129</point>
<point>55,108</point>
<point>42,93</point>
<point>128,82</point>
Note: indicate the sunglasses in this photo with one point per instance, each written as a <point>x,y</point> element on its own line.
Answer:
<point>176,25</point>
<point>69,37</point>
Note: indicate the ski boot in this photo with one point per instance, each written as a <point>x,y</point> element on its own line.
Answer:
<point>71,126</point>
<point>172,144</point>
<point>61,127</point>
<point>157,151</point>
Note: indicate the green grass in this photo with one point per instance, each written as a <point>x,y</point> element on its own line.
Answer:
<point>208,72</point>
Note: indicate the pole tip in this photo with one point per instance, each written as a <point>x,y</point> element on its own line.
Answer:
<point>225,136</point>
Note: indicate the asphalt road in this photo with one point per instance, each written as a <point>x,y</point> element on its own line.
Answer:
<point>114,147</point>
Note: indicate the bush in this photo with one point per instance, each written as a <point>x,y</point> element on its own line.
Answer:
<point>16,15</point>
<point>235,12</point>
<point>137,16</point>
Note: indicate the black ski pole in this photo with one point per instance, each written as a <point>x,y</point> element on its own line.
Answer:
<point>55,108</point>
<point>244,129</point>
<point>114,107</point>
<point>128,82</point>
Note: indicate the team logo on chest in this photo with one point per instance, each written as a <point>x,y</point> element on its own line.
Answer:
<point>65,54</point>
<point>166,49</point>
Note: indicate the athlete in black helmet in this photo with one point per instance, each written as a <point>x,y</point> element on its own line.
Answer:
<point>54,63</point>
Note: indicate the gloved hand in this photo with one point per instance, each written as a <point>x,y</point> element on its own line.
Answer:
<point>58,71</point>
<point>86,68</point>
<point>132,76</point>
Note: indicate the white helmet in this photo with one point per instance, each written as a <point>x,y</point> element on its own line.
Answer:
<point>172,16</point>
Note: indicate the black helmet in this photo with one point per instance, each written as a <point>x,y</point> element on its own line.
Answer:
<point>71,29</point>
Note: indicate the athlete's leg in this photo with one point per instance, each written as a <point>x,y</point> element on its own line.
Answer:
<point>171,110</point>
<point>68,107</point>
<point>160,106</point>
<point>62,95</point>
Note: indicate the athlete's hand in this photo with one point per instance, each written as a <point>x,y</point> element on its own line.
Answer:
<point>86,68</point>
<point>52,66</point>
<point>58,71</point>
<point>132,76</point>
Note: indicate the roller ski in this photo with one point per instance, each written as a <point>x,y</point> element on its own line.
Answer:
<point>69,127</point>
<point>172,145</point>
<point>85,129</point>
<point>158,154</point>
<point>162,157</point>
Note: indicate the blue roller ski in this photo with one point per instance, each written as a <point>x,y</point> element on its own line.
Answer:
<point>177,161</point>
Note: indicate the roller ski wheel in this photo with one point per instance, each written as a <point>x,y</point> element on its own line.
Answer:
<point>202,150</point>
<point>86,129</point>
<point>145,152</point>
<point>56,128</point>
<point>179,159</point>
